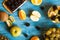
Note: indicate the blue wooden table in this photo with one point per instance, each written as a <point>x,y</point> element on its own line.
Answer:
<point>31,30</point>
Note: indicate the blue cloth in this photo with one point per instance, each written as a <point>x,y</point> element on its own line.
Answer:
<point>44,21</point>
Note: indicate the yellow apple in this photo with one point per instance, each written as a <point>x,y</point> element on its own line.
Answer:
<point>15,31</point>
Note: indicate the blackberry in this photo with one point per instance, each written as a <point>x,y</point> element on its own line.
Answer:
<point>8,3</point>
<point>58,18</point>
<point>16,2</point>
<point>11,1</point>
<point>54,7</point>
<point>59,12</point>
<point>13,7</point>
<point>53,17</point>
<point>19,1</point>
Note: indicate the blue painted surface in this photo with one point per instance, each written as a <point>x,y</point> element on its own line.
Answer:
<point>43,22</point>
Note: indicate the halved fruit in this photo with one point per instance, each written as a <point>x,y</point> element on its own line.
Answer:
<point>36,2</point>
<point>22,14</point>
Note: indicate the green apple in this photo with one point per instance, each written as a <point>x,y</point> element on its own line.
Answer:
<point>15,31</point>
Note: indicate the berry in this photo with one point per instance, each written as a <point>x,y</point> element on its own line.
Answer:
<point>42,7</point>
<point>27,24</point>
<point>54,7</point>
<point>53,17</point>
<point>8,3</point>
<point>58,18</point>
<point>59,12</point>
<point>37,27</point>
<point>25,34</point>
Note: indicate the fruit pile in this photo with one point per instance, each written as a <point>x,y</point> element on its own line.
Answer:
<point>3,37</point>
<point>15,31</point>
<point>53,34</point>
<point>54,14</point>
<point>5,18</point>
<point>12,5</point>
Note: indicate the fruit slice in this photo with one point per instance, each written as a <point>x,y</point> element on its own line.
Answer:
<point>35,38</point>
<point>22,15</point>
<point>15,31</point>
<point>9,23</point>
<point>36,13</point>
<point>11,18</point>
<point>35,16</point>
<point>36,2</point>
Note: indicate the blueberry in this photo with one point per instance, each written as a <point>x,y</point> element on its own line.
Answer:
<point>54,7</point>
<point>58,18</point>
<point>42,7</point>
<point>53,17</point>
<point>59,12</point>
<point>20,1</point>
<point>12,7</point>
<point>16,3</point>
<point>27,24</point>
<point>12,1</point>
<point>37,27</point>
<point>8,3</point>
<point>25,34</point>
